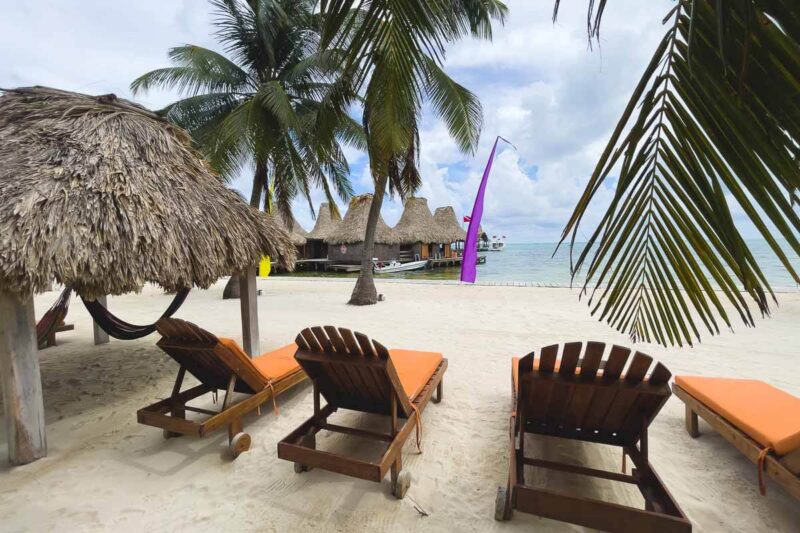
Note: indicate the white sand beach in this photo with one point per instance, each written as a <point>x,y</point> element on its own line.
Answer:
<point>106,472</point>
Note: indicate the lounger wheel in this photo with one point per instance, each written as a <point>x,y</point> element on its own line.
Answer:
<point>400,487</point>
<point>501,513</point>
<point>240,443</point>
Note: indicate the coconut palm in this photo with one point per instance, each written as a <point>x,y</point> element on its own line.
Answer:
<point>275,105</point>
<point>712,127</point>
<point>395,53</point>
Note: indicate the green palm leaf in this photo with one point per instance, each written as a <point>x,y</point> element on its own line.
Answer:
<point>714,122</point>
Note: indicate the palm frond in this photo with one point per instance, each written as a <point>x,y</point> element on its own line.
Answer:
<point>717,125</point>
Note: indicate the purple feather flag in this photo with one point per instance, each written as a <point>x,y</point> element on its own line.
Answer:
<point>468,265</point>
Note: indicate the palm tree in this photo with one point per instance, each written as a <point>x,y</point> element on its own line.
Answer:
<point>395,53</point>
<point>276,106</point>
<point>713,123</point>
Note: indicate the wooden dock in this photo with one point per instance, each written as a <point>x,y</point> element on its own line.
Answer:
<point>327,264</point>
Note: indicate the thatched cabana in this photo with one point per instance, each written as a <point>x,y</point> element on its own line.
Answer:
<point>326,224</point>
<point>417,232</point>
<point>297,234</point>
<point>102,195</point>
<point>450,231</point>
<point>347,240</point>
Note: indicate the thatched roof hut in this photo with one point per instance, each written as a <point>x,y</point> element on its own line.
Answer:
<point>447,225</point>
<point>296,232</point>
<point>416,224</point>
<point>354,225</point>
<point>100,194</point>
<point>326,223</point>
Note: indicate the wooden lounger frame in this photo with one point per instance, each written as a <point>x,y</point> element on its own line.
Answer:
<point>199,352</point>
<point>785,470</point>
<point>576,402</point>
<point>352,372</point>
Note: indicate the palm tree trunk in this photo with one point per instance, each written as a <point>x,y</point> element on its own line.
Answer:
<point>364,292</point>
<point>231,290</point>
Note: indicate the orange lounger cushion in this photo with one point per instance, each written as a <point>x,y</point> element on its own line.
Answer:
<point>273,365</point>
<point>768,415</point>
<point>414,369</point>
<point>278,364</point>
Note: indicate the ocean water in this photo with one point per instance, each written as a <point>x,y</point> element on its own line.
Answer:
<point>535,263</point>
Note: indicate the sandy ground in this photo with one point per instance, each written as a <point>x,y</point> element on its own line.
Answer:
<point>106,472</point>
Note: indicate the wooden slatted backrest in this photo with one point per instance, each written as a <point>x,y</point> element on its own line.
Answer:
<point>350,370</point>
<point>210,359</point>
<point>574,391</point>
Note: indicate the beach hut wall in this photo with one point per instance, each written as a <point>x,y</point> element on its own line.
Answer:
<point>327,221</point>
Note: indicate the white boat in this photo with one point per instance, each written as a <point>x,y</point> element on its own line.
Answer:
<point>381,267</point>
<point>497,244</point>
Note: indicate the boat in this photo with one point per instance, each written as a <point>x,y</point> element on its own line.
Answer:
<point>498,244</point>
<point>383,267</point>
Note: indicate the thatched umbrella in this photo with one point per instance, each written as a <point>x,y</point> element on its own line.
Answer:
<point>416,224</point>
<point>102,195</point>
<point>354,225</point>
<point>448,226</point>
<point>326,223</point>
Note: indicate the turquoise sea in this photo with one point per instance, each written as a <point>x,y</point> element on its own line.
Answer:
<point>535,263</point>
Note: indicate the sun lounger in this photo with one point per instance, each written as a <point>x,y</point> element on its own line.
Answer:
<point>352,372</point>
<point>590,400</point>
<point>219,364</point>
<point>761,421</point>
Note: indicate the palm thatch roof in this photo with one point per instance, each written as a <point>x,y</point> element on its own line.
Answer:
<point>354,225</point>
<point>296,232</point>
<point>447,225</point>
<point>326,223</point>
<point>102,195</point>
<point>416,224</point>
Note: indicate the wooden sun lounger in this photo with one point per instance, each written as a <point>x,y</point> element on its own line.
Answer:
<point>590,400</point>
<point>352,372</point>
<point>759,420</point>
<point>219,364</point>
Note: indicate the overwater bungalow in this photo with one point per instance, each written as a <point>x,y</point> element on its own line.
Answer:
<point>346,241</point>
<point>327,222</point>
<point>451,233</point>
<point>418,232</point>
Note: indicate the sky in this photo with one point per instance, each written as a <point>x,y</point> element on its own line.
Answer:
<point>540,84</point>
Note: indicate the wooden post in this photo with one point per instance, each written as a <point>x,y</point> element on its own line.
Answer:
<point>100,336</point>
<point>22,382</point>
<point>248,299</point>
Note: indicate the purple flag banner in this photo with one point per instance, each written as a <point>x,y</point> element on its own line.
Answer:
<point>468,265</point>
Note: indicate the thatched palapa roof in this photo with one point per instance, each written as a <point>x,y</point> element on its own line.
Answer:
<point>326,223</point>
<point>102,195</point>
<point>354,225</point>
<point>296,233</point>
<point>447,224</point>
<point>416,224</point>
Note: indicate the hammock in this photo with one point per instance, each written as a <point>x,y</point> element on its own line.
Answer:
<point>119,329</point>
<point>53,318</point>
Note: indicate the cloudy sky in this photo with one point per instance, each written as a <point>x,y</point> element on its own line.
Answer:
<point>540,85</point>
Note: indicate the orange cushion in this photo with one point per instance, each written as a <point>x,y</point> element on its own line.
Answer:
<point>272,365</point>
<point>766,414</point>
<point>414,369</point>
<point>278,364</point>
